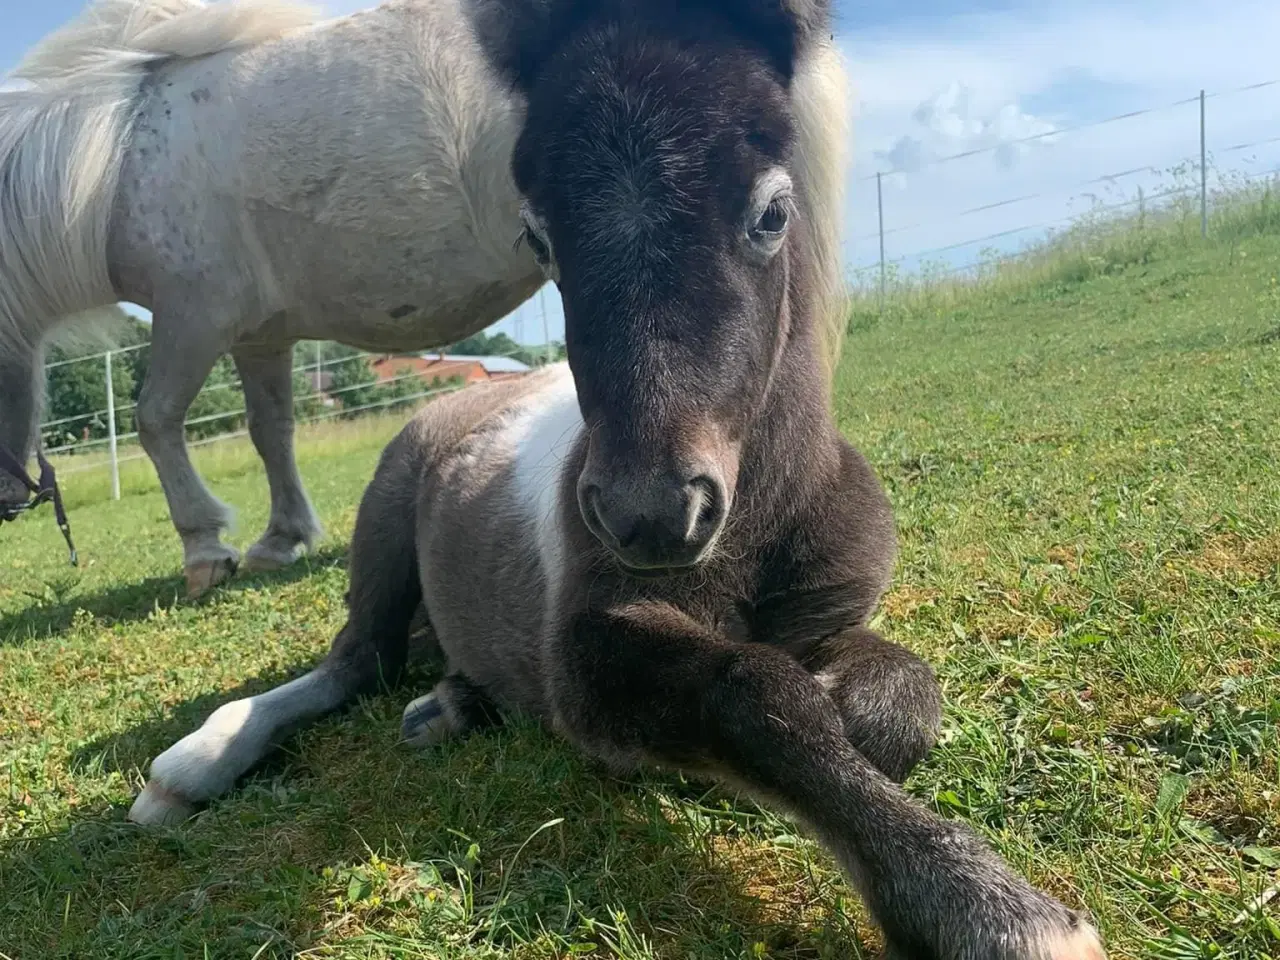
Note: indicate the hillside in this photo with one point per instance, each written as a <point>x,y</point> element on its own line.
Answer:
<point>1084,457</point>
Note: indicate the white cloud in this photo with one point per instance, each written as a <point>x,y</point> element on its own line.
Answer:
<point>953,121</point>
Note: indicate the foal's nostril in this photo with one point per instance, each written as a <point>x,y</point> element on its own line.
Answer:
<point>707,515</point>
<point>622,532</point>
<point>708,502</point>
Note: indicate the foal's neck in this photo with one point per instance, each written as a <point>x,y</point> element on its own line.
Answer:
<point>793,449</point>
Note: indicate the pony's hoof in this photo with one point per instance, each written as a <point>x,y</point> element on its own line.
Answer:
<point>261,559</point>
<point>204,576</point>
<point>155,807</point>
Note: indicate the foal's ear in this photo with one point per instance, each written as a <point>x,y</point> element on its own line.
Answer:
<point>786,28</point>
<point>518,35</point>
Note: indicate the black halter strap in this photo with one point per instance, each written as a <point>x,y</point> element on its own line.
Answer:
<point>45,490</point>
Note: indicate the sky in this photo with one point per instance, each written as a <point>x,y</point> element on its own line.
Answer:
<point>1024,84</point>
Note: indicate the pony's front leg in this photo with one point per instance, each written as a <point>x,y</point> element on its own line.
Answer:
<point>267,376</point>
<point>21,386</point>
<point>888,698</point>
<point>180,362</point>
<point>646,683</point>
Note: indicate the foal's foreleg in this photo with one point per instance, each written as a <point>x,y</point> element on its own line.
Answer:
<point>368,653</point>
<point>646,683</point>
<point>888,698</point>
<point>267,376</point>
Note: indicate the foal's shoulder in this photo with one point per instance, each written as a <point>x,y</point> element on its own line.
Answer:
<point>846,521</point>
<point>831,566</point>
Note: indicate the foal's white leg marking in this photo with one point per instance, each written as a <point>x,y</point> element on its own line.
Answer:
<point>237,735</point>
<point>543,434</point>
<point>1082,943</point>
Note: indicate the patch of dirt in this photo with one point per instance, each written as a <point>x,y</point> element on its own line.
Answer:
<point>1231,555</point>
<point>974,556</point>
<point>1065,555</point>
<point>999,624</point>
<point>790,896</point>
<point>902,602</point>
<point>1242,816</point>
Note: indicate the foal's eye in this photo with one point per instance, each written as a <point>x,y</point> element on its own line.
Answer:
<point>773,221</point>
<point>540,251</point>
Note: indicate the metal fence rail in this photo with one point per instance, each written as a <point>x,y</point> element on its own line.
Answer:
<point>1198,162</point>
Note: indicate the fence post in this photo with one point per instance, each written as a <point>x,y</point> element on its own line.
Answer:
<point>546,331</point>
<point>111,432</point>
<point>880,213</point>
<point>1204,177</point>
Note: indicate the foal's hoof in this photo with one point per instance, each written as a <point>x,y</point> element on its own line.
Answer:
<point>425,723</point>
<point>204,576</point>
<point>156,807</point>
<point>1082,943</point>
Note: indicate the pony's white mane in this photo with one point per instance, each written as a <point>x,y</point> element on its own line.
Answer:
<point>820,94</point>
<point>63,133</point>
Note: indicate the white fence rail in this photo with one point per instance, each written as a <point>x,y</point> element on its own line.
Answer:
<point>1198,160</point>
<point>110,414</point>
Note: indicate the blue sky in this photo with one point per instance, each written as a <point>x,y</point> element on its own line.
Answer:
<point>951,76</point>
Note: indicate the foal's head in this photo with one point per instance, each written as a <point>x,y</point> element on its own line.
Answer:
<point>671,192</point>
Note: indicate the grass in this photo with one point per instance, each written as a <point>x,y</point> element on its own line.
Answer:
<point>1083,463</point>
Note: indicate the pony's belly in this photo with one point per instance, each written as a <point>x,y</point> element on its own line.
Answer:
<point>408,319</point>
<point>379,291</point>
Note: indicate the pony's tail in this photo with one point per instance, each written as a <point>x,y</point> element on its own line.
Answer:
<point>64,126</point>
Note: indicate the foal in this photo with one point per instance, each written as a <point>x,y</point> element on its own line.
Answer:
<point>665,550</point>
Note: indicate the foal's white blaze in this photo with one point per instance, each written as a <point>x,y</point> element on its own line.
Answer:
<point>237,735</point>
<point>542,433</point>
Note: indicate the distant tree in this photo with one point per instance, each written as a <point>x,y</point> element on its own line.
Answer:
<point>554,352</point>
<point>476,345</point>
<point>77,399</point>
<point>501,345</point>
<point>219,406</point>
<point>354,383</point>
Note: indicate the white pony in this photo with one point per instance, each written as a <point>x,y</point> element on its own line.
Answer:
<point>254,176</point>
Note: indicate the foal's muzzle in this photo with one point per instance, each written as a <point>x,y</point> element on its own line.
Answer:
<point>656,528</point>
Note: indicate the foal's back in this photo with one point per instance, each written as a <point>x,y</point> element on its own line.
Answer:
<point>490,523</point>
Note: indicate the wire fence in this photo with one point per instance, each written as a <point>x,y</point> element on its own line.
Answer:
<point>1193,167</point>
<point>331,405</point>
<point>330,401</point>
